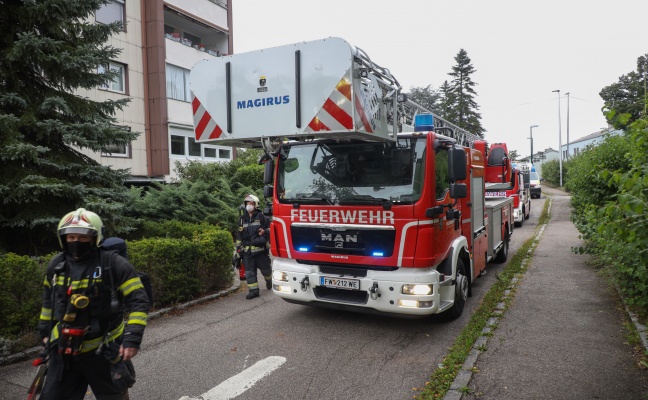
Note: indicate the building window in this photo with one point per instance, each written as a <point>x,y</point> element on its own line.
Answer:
<point>113,11</point>
<point>117,150</point>
<point>184,145</point>
<point>178,145</point>
<point>177,83</point>
<point>118,84</point>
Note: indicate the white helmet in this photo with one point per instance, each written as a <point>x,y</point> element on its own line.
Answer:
<point>251,197</point>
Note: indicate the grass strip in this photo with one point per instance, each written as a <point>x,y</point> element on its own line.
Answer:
<point>442,378</point>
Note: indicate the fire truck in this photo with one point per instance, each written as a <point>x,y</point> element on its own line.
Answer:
<point>505,179</point>
<point>377,204</point>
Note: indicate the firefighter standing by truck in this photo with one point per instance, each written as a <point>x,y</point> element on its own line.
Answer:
<point>252,240</point>
<point>82,318</point>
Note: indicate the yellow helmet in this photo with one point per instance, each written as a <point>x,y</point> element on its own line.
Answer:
<point>83,222</point>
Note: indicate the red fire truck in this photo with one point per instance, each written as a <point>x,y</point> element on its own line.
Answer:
<point>377,204</point>
<point>505,179</point>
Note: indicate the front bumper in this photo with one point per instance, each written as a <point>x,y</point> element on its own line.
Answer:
<point>379,291</point>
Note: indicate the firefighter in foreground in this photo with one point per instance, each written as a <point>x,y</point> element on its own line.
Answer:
<point>252,239</point>
<point>82,322</point>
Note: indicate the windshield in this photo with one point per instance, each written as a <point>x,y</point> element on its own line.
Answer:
<point>534,176</point>
<point>352,172</point>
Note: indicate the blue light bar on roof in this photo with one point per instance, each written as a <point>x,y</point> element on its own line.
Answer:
<point>423,122</point>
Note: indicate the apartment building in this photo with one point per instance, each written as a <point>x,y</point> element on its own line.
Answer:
<point>160,43</point>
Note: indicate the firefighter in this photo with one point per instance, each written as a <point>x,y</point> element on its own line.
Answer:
<point>252,240</point>
<point>90,339</point>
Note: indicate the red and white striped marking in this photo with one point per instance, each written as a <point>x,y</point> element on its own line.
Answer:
<point>205,126</point>
<point>337,111</point>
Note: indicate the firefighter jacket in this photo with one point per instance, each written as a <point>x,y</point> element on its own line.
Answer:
<point>118,313</point>
<point>248,237</point>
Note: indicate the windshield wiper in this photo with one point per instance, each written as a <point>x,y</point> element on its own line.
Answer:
<point>303,199</point>
<point>366,199</point>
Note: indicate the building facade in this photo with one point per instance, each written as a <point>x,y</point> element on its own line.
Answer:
<point>160,43</point>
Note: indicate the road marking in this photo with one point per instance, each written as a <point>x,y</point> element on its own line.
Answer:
<point>241,382</point>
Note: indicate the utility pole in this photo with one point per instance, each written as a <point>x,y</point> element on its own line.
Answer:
<point>567,125</point>
<point>559,137</point>
<point>531,137</point>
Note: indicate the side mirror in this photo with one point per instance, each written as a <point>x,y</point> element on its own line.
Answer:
<point>458,190</point>
<point>268,191</point>
<point>456,164</point>
<point>268,171</point>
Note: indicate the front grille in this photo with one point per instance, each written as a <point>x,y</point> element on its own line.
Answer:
<point>326,269</point>
<point>341,295</point>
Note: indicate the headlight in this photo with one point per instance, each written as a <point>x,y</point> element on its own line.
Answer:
<point>280,276</point>
<point>419,290</point>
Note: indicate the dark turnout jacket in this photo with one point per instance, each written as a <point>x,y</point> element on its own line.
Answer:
<point>248,237</point>
<point>104,323</point>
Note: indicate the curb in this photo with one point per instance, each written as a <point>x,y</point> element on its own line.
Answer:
<point>464,376</point>
<point>32,352</point>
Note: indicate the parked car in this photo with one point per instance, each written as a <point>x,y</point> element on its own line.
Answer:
<point>535,183</point>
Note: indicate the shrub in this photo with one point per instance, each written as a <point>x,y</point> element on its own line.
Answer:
<point>610,201</point>
<point>183,268</point>
<point>21,280</point>
<point>172,265</point>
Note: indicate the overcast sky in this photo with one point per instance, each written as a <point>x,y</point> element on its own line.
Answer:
<point>521,50</point>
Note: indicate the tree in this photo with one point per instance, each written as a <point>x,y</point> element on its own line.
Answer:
<point>447,102</point>
<point>628,96</point>
<point>48,50</point>
<point>465,106</point>
<point>513,155</point>
<point>427,97</point>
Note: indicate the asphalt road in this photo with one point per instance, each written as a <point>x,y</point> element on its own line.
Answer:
<point>328,354</point>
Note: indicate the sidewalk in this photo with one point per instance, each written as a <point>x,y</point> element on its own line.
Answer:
<point>563,335</point>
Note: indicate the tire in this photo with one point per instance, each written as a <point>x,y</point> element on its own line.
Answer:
<point>462,288</point>
<point>528,210</point>
<point>503,253</point>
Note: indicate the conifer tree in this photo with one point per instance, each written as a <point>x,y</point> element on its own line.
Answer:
<point>465,111</point>
<point>48,50</point>
<point>447,102</point>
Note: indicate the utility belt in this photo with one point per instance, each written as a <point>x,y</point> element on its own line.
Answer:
<point>72,340</point>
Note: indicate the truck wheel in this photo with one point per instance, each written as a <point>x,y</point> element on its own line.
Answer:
<point>461,293</point>
<point>528,210</point>
<point>503,253</point>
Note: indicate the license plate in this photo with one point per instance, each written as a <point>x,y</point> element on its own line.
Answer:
<point>340,283</point>
<point>495,194</point>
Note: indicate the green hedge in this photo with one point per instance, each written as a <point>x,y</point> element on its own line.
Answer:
<point>183,269</point>
<point>609,185</point>
<point>21,280</point>
<point>195,263</point>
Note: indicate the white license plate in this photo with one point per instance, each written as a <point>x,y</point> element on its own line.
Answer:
<point>340,283</point>
<point>495,194</point>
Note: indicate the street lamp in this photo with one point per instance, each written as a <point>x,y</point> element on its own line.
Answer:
<point>531,137</point>
<point>559,137</point>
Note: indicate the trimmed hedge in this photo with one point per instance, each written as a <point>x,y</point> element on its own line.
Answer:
<point>21,280</point>
<point>195,262</point>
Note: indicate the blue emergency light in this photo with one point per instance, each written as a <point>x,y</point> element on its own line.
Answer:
<point>423,122</point>
<point>302,249</point>
<point>378,254</point>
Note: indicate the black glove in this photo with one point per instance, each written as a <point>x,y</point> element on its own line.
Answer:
<point>122,374</point>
